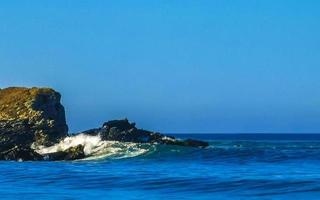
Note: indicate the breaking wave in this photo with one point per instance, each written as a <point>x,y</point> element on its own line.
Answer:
<point>219,151</point>
<point>96,148</point>
<point>227,169</point>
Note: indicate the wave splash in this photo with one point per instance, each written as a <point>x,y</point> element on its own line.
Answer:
<point>96,148</point>
<point>227,151</point>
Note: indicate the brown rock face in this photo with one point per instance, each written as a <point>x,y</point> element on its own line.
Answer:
<point>34,114</point>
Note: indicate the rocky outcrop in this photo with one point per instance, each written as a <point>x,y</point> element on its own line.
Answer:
<point>32,117</point>
<point>27,116</point>
<point>124,131</point>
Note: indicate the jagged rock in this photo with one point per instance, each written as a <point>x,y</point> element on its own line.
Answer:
<point>30,115</point>
<point>72,153</point>
<point>124,131</point>
<point>20,153</point>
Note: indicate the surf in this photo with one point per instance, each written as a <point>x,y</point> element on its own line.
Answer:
<point>96,148</point>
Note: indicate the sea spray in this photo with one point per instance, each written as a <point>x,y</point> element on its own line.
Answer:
<point>96,148</point>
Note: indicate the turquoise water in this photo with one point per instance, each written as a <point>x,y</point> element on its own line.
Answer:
<point>233,167</point>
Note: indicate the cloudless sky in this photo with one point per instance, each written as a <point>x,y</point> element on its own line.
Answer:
<point>218,66</point>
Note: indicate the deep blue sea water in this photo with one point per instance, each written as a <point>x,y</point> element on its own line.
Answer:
<point>235,166</point>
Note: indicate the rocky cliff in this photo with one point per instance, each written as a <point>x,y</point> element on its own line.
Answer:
<point>30,115</point>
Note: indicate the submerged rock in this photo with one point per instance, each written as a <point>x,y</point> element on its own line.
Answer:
<point>189,143</point>
<point>124,131</point>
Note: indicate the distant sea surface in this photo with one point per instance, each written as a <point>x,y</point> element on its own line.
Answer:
<point>234,166</point>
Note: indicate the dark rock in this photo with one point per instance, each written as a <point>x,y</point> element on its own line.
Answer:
<point>124,131</point>
<point>121,125</point>
<point>189,143</point>
<point>20,153</point>
<point>195,143</point>
<point>73,153</point>
<point>14,133</point>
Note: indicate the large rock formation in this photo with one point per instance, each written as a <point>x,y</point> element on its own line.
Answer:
<point>30,115</point>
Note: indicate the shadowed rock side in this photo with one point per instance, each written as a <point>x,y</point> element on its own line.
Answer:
<point>20,153</point>
<point>124,131</point>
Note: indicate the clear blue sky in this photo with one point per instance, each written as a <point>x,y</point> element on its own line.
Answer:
<point>173,66</point>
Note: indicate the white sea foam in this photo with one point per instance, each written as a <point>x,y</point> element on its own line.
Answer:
<point>168,139</point>
<point>95,148</point>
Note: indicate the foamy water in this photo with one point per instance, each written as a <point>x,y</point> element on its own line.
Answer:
<point>96,148</point>
<point>245,167</point>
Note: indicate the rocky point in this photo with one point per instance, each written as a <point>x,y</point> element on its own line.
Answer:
<point>32,117</point>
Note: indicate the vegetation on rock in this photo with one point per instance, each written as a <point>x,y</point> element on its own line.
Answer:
<point>39,109</point>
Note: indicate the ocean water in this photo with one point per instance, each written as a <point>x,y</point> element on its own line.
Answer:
<point>237,166</point>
